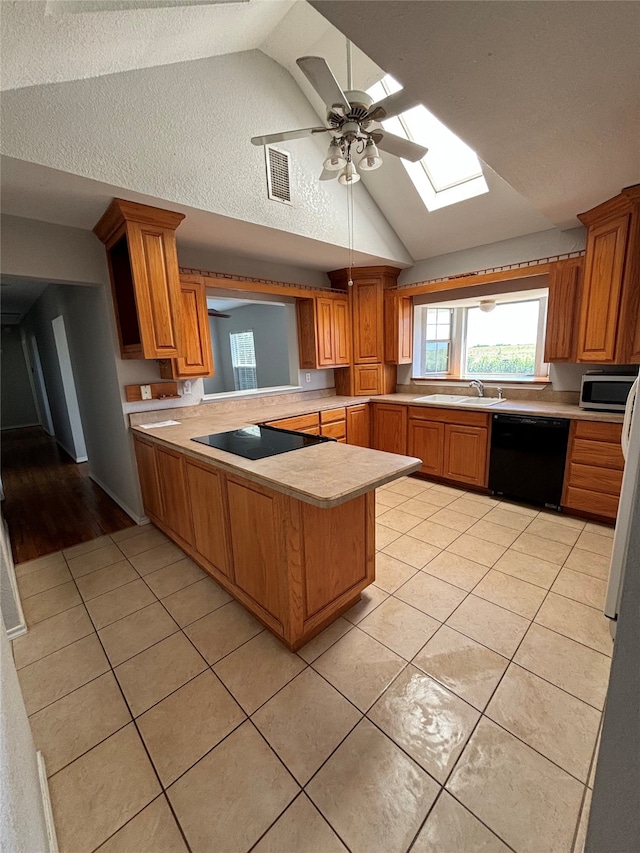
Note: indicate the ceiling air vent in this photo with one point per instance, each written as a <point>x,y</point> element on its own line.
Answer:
<point>278,178</point>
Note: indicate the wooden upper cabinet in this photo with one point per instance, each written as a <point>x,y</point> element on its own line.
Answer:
<point>194,336</point>
<point>398,328</point>
<point>323,332</point>
<point>367,321</point>
<point>609,324</point>
<point>390,428</point>
<point>565,281</point>
<point>143,268</point>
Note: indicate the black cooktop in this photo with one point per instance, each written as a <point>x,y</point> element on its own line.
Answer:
<point>257,442</point>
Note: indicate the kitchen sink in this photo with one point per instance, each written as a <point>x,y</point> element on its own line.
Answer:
<point>449,399</point>
<point>441,398</point>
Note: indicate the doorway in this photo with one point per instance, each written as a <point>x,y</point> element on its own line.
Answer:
<point>69,390</point>
<point>34,363</point>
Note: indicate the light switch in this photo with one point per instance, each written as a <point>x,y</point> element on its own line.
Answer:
<point>145,391</point>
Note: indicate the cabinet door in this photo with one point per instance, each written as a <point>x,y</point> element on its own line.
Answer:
<point>258,553</point>
<point>426,441</point>
<point>465,454</point>
<point>367,321</point>
<point>359,425</point>
<point>398,329</point>
<point>206,493</point>
<point>390,428</point>
<point>325,333</point>
<point>145,281</point>
<point>342,339</point>
<point>148,474</point>
<point>565,279</point>
<point>604,267</point>
<point>177,510</point>
<point>194,337</point>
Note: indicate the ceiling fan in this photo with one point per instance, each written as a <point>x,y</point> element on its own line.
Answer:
<point>213,313</point>
<point>350,115</point>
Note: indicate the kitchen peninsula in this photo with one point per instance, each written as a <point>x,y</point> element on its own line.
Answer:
<point>291,536</point>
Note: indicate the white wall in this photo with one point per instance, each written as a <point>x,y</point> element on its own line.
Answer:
<point>543,244</point>
<point>182,133</point>
<point>17,405</point>
<point>22,823</point>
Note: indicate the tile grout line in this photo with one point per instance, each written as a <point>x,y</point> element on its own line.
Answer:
<point>310,665</point>
<point>144,746</point>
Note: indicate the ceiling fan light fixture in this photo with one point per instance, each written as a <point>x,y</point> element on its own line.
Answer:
<point>487,305</point>
<point>349,175</point>
<point>335,159</point>
<point>371,158</point>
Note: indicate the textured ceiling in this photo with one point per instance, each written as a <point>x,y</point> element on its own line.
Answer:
<point>17,295</point>
<point>41,47</point>
<point>547,93</point>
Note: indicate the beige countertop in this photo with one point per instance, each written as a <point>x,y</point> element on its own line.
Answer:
<point>325,474</point>
<point>511,407</point>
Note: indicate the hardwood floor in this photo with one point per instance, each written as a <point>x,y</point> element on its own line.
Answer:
<point>50,502</point>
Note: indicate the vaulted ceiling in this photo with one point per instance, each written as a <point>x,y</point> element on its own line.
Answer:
<point>547,93</point>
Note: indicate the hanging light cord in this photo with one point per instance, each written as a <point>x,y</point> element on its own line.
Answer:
<point>350,230</point>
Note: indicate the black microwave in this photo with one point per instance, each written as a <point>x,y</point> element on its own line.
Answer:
<point>606,392</point>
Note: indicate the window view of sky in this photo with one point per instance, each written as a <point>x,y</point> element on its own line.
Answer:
<point>514,323</point>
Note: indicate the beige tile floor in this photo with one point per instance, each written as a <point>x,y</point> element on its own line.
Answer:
<point>454,709</point>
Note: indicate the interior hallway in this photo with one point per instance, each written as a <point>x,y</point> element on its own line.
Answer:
<point>50,501</point>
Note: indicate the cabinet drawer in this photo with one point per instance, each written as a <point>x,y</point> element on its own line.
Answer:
<point>596,479</point>
<point>449,416</point>
<point>334,430</point>
<point>599,431</point>
<point>302,422</point>
<point>595,503</point>
<point>331,415</point>
<point>599,454</point>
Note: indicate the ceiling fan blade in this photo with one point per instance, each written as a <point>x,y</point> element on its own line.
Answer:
<point>398,146</point>
<point>328,175</point>
<point>288,134</point>
<point>392,106</point>
<point>213,313</point>
<point>318,73</point>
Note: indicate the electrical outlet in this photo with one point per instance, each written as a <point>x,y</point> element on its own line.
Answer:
<point>186,386</point>
<point>145,391</point>
<point>307,377</point>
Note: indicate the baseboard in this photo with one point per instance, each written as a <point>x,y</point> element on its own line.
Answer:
<point>20,426</point>
<point>139,519</point>
<point>17,630</point>
<point>21,626</point>
<point>69,453</point>
<point>46,804</point>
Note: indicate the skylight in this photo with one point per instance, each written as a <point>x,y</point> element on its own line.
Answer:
<point>450,172</point>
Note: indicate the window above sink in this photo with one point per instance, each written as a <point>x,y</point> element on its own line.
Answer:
<point>489,337</point>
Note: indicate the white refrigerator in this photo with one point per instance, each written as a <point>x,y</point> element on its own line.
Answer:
<point>627,509</point>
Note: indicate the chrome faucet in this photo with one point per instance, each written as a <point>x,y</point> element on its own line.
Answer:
<point>475,383</point>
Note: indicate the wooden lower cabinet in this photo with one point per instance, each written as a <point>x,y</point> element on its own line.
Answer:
<point>172,481</point>
<point>452,444</point>
<point>301,423</point>
<point>208,510</point>
<point>294,566</point>
<point>148,475</point>
<point>593,473</point>
<point>426,441</point>
<point>359,425</point>
<point>465,454</point>
<point>390,428</point>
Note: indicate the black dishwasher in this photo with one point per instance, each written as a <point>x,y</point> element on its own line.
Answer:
<point>527,458</point>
